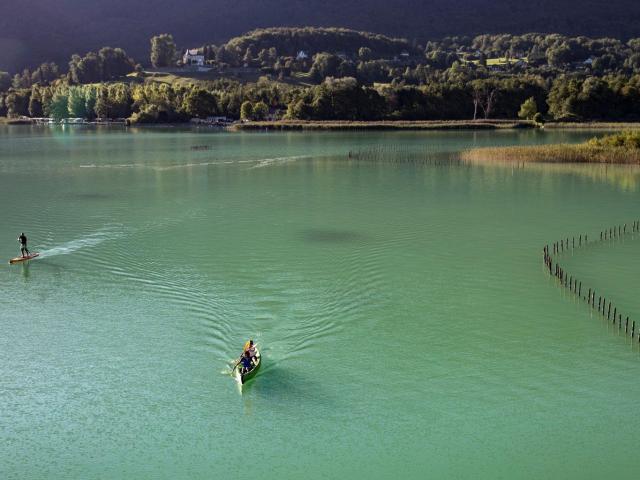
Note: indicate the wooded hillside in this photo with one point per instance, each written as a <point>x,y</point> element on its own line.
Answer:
<point>45,30</point>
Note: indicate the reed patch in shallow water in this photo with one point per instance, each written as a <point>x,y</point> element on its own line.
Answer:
<point>562,153</point>
<point>620,148</point>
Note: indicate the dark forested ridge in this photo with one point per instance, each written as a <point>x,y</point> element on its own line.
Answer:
<point>44,30</point>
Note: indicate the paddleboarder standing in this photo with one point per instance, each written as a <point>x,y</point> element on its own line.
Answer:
<point>22,239</point>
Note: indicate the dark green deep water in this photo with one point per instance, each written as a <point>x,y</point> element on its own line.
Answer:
<point>407,327</point>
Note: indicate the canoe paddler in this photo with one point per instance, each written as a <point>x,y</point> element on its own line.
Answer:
<point>251,348</point>
<point>246,361</point>
<point>22,239</point>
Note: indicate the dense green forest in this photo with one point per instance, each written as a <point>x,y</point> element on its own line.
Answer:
<point>35,31</point>
<point>340,74</point>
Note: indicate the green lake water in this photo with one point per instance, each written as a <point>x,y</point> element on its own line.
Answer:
<point>407,326</point>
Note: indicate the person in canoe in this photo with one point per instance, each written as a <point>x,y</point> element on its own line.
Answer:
<point>22,239</point>
<point>246,361</point>
<point>251,348</point>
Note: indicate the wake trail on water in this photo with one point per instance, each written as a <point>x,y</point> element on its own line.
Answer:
<point>266,162</point>
<point>259,163</point>
<point>87,241</point>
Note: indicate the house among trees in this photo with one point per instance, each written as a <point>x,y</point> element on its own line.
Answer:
<point>193,58</point>
<point>302,55</point>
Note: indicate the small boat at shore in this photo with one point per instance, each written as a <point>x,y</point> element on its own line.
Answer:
<point>244,377</point>
<point>25,258</point>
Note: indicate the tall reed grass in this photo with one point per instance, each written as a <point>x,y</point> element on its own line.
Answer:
<point>621,148</point>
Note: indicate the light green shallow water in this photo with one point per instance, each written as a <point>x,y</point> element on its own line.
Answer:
<point>407,327</point>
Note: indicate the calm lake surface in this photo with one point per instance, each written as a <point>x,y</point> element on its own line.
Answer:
<point>408,329</point>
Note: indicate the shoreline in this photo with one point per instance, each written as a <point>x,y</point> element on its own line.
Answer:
<point>336,125</point>
<point>347,125</point>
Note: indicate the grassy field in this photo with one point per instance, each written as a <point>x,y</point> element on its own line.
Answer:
<point>499,61</point>
<point>187,78</point>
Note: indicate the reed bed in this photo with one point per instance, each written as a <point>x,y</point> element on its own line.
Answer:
<point>561,153</point>
<point>402,154</point>
<point>383,125</point>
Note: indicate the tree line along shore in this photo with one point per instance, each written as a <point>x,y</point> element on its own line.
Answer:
<point>618,148</point>
<point>304,77</point>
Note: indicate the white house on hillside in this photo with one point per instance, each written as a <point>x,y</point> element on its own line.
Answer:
<point>302,55</point>
<point>193,58</point>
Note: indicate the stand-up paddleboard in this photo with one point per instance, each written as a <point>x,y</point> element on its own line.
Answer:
<point>23,259</point>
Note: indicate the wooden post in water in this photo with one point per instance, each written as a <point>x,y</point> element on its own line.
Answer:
<point>615,310</point>
<point>573,245</point>
<point>580,289</point>
<point>593,299</point>
<point>599,299</point>
<point>633,329</point>
<point>589,297</point>
<point>609,311</point>
<point>619,321</point>
<point>626,326</point>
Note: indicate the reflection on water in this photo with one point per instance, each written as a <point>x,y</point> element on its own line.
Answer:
<point>624,177</point>
<point>25,270</point>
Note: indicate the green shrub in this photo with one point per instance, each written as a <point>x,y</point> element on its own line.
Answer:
<point>628,139</point>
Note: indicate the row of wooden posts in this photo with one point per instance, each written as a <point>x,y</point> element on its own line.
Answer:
<point>604,306</point>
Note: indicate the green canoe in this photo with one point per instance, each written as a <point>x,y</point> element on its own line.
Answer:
<point>245,377</point>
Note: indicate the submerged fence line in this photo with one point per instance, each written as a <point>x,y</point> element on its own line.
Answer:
<point>575,286</point>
